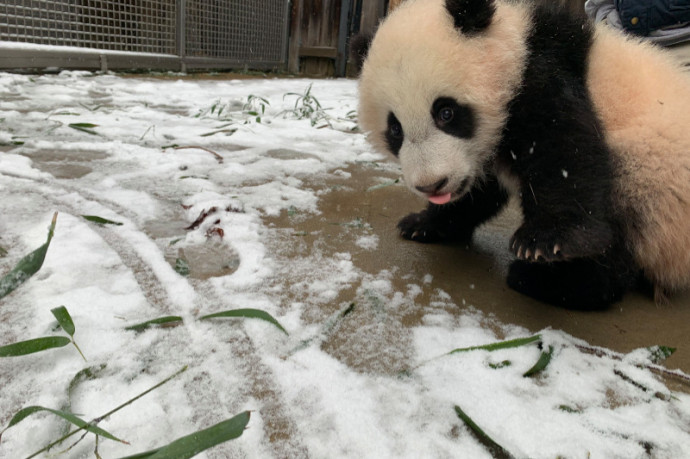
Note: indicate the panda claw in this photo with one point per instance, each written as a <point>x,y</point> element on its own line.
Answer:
<point>538,255</point>
<point>528,254</point>
<point>414,235</point>
<point>557,249</point>
<point>519,252</point>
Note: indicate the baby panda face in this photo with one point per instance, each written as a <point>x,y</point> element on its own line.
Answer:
<point>437,161</point>
<point>435,86</point>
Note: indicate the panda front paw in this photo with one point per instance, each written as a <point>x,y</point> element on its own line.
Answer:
<point>419,227</point>
<point>537,244</point>
<point>548,243</point>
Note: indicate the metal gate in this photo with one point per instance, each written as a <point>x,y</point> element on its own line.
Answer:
<point>166,34</point>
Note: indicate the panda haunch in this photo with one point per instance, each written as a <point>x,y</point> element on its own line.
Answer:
<point>483,99</point>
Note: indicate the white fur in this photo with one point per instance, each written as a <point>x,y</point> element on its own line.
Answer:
<point>643,99</point>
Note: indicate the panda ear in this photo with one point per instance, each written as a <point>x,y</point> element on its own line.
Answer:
<point>471,16</point>
<point>359,48</point>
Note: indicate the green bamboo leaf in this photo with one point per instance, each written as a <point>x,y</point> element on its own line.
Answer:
<point>247,313</point>
<point>191,445</point>
<point>100,220</point>
<point>543,361</point>
<point>500,345</point>
<point>33,345</point>
<point>84,127</point>
<point>167,321</point>
<point>64,319</point>
<point>568,409</point>
<point>27,266</point>
<point>658,354</point>
<point>25,412</point>
<point>497,450</point>
<point>182,267</point>
<point>496,366</point>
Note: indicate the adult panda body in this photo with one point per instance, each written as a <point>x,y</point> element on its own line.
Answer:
<point>589,129</point>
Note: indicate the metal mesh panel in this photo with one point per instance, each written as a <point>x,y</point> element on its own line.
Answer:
<point>239,30</point>
<point>141,26</point>
<point>213,33</point>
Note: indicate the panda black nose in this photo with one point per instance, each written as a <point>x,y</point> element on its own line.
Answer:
<point>434,187</point>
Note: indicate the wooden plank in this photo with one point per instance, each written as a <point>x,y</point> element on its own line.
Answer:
<point>295,36</point>
<point>318,51</point>
<point>372,12</point>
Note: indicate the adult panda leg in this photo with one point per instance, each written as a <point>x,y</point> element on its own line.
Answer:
<point>580,283</point>
<point>455,221</point>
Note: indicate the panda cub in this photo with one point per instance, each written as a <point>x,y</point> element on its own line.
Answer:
<point>587,128</point>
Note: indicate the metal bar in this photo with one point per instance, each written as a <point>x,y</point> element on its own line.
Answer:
<point>286,32</point>
<point>343,27</point>
<point>180,33</point>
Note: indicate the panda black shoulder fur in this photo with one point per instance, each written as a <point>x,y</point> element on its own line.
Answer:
<point>482,99</point>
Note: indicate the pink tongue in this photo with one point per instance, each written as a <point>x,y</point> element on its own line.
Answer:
<point>440,199</point>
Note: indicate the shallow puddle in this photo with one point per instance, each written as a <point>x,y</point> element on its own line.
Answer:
<point>212,259</point>
<point>64,164</point>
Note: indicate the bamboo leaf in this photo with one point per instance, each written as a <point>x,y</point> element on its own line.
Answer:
<point>568,409</point>
<point>164,321</point>
<point>86,374</point>
<point>191,445</point>
<point>331,324</point>
<point>497,450</point>
<point>247,313</point>
<point>182,267</point>
<point>496,366</point>
<point>106,415</point>
<point>33,345</point>
<point>64,319</point>
<point>658,354</point>
<point>383,185</point>
<point>219,131</point>
<point>28,411</point>
<point>543,361</point>
<point>84,127</point>
<point>100,220</point>
<point>27,266</point>
<point>500,345</point>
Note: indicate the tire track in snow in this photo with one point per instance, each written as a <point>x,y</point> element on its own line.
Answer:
<point>279,428</point>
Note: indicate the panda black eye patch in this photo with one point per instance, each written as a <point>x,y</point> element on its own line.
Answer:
<point>453,118</point>
<point>394,134</point>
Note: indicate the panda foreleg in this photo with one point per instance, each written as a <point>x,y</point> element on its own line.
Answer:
<point>565,195</point>
<point>457,220</point>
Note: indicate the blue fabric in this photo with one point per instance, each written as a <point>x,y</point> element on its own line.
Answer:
<point>644,16</point>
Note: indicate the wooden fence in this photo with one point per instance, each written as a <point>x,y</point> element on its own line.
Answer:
<point>320,31</point>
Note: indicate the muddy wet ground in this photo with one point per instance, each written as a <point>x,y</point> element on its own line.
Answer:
<point>474,276</point>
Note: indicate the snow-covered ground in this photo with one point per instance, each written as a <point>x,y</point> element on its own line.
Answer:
<point>345,382</point>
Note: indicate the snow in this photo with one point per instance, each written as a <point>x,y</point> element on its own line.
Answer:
<point>348,381</point>
<point>70,49</point>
